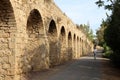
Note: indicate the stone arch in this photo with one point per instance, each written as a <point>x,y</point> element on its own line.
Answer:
<point>34,24</point>
<point>79,50</point>
<point>77,47</point>
<point>63,54</point>
<point>52,28</point>
<point>86,47</point>
<point>74,46</point>
<point>35,48</point>
<point>80,47</point>
<point>53,47</point>
<point>8,30</point>
<point>70,46</point>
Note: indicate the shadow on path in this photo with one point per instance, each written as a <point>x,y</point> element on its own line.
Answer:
<point>85,68</point>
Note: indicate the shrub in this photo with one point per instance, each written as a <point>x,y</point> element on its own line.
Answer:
<point>107,51</point>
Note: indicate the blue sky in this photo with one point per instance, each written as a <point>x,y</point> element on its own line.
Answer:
<point>82,12</point>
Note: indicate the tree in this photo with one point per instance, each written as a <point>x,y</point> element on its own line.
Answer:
<point>86,30</point>
<point>112,32</point>
<point>100,33</point>
<point>109,6</point>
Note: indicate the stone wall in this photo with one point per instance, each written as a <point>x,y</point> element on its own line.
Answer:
<point>36,35</point>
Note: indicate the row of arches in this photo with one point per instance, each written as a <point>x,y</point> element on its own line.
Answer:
<point>62,46</point>
<point>38,51</point>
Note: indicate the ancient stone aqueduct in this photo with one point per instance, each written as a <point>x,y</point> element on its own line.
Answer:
<point>36,35</point>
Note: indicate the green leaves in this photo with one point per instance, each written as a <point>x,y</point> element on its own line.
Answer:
<point>108,4</point>
<point>109,7</point>
<point>100,3</point>
<point>100,33</point>
<point>112,30</point>
<point>86,29</point>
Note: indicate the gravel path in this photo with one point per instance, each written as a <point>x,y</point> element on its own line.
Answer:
<point>85,68</point>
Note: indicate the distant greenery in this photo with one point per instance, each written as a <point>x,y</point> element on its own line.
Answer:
<point>107,51</point>
<point>100,37</point>
<point>100,33</point>
<point>111,32</point>
<point>86,30</point>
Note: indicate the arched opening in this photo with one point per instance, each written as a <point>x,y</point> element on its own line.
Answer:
<point>80,47</point>
<point>86,47</point>
<point>34,24</point>
<point>52,34</point>
<point>74,46</point>
<point>52,28</point>
<point>69,46</point>
<point>63,55</point>
<point>77,47</point>
<point>7,39</point>
<point>35,47</point>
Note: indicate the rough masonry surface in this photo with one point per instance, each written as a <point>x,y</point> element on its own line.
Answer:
<point>36,35</point>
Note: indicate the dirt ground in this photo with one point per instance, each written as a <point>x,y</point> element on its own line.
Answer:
<point>110,72</point>
<point>85,68</point>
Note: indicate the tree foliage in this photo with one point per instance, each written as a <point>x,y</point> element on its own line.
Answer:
<point>86,30</point>
<point>100,33</point>
<point>108,4</point>
<point>112,31</point>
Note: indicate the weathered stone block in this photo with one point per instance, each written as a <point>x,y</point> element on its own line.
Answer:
<point>3,40</point>
<point>3,46</point>
<point>6,66</point>
<point>9,78</point>
<point>5,35</point>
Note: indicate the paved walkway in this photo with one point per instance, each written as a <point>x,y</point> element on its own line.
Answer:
<point>85,68</point>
